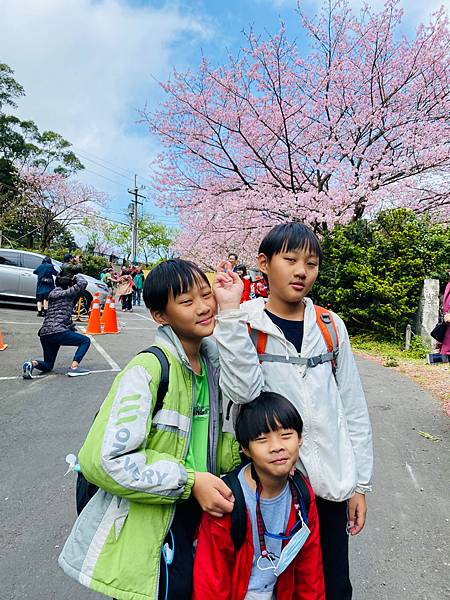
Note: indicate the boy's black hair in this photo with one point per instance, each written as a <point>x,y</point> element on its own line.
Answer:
<point>268,412</point>
<point>170,279</point>
<point>290,236</point>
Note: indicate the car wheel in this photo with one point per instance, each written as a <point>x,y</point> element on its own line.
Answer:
<point>82,305</point>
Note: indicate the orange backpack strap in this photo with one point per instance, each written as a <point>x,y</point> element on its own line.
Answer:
<point>259,339</point>
<point>327,326</point>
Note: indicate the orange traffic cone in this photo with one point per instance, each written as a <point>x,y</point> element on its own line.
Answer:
<point>94,327</point>
<point>105,310</point>
<point>110,325</point>
<point>3,346</point>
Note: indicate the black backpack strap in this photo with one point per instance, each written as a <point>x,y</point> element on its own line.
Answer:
<point>303,493</point>
<point>239,513</point>
<point>164,381</point>
<point>84,489</point>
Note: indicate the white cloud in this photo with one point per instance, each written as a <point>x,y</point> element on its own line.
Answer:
<point>87,66</point>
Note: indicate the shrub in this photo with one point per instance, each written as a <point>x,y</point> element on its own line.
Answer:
<point>373,272</point>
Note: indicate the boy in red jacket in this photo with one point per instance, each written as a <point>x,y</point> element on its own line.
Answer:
<point>280,556</point>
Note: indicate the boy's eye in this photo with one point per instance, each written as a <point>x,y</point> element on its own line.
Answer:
<point>207,294</point>
<point>312,263</point>
<point>260,439</point>
<point>286,434</point>
<point>187,301</point>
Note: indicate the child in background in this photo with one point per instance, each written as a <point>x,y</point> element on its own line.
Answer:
<point>269,430</point>
<point>324,386</point>
<point>125,290</point>
<point>134,539</point>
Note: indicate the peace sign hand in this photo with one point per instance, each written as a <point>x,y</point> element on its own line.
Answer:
<point>227,287</point>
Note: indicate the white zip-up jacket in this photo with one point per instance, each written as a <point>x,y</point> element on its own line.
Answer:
<point>337,454</point>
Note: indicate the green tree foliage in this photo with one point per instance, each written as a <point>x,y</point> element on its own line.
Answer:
<point>92,265</point>
<point>23,145</point>
<point>373,272</point>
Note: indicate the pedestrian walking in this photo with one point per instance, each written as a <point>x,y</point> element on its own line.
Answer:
<point>303,352</point>
<point>156,470</point>
<point>44,285</point>
<point>57,329</point>
<point>138,280</point>
<point>125,289</point>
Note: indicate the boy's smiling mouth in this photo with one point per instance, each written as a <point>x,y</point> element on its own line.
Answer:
<point>205,322</point>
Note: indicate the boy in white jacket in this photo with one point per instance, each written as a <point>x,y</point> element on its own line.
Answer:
<point>337,452</point>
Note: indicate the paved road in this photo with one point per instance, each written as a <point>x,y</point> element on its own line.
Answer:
<point>402,554</point>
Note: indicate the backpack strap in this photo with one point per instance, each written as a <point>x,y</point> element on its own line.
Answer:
<point>325,322</point>
<point>259,339</point>
<point>239,513</point>
<point>303,493</point>
<point>84,489</point>
<point>164,381</point>
<point>327,326</point>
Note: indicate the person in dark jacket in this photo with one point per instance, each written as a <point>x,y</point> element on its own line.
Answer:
<point>57,329</point>
<point>71,266</point>
<point>45,284</point>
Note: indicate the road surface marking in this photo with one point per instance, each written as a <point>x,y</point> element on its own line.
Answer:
<point>17,323</point>
<point>112,363</point>
<point>52,374</point>
<point>411,474</point>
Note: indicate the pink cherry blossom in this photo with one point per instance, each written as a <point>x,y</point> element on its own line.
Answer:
<point>359,123</point>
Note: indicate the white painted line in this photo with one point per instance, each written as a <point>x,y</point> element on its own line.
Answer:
<point>141,317</point>
<point>17,323</point>
<point>52,375</point>
<point>112,363</point>
<point>411,474</point>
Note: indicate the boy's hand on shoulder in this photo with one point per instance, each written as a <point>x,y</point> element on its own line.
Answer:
<point>357,510</point>
<point>227,287</point>
<point>213,495</point>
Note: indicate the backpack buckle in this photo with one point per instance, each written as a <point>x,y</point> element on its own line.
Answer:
<point>314,361</point>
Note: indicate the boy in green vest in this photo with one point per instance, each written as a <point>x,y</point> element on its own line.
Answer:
<point>133,540</point>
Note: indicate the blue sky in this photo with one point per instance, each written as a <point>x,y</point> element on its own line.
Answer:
<point>88,66</point>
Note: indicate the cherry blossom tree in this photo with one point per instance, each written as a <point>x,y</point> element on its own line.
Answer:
<point>358,124</point>
<point>54,202</point>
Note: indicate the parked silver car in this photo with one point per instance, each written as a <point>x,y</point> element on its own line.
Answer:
<point>18,283</point>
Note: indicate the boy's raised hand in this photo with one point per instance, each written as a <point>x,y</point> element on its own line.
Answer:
<point>357,510</point>
<point>213,495</point>
<point>227,287</point>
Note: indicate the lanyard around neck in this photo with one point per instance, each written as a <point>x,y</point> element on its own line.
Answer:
<point>262,530</point>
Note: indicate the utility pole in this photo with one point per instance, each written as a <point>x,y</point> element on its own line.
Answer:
<point>134,220</point>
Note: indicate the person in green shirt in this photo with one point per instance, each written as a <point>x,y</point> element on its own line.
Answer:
<point>156,472</point>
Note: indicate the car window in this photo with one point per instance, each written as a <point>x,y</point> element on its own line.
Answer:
<point>29,261</point>
<point>9,258</point>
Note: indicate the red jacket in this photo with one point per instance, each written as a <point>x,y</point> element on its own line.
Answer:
<point>247,288</point>
<point>220,574</point>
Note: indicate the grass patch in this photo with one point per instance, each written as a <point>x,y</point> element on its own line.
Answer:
<point>390,351</point>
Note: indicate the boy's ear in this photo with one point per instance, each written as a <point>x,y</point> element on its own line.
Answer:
<point>263,263</point>
<point>160,317</point>
<point>300,441</point>
<point>246,452</point>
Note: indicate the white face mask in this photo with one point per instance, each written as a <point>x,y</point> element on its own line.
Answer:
<point>292,548</point>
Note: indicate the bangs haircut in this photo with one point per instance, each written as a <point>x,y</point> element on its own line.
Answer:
<point>268,412</point>
<point>170,279</point>
<point>288,237</point>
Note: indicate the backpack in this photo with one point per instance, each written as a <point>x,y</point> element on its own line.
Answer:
<point>84,489</point>
<point>239,513</point>
<point>325,322</point>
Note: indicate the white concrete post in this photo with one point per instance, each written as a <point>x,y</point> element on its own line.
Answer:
<point>428,310</point>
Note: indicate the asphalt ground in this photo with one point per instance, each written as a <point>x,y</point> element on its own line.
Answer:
<point>403,552</point>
